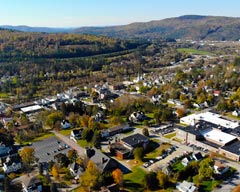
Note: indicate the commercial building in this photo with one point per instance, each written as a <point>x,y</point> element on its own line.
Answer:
<point>213,118</point>
<point>204,135</point>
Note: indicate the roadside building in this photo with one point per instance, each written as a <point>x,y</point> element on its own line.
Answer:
<point>213,139</point>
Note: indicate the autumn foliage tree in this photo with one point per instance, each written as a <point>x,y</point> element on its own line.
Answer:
<point>72,155</point>
<point>89,178</point>
<point>27,156</point>
<point>162,179</point>
<point>118,176</point>
<point>138,153</point>
<point>55,171</point>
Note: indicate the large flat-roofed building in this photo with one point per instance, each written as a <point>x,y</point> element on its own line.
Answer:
<point>217,136</point>
<point>210,138</point>
<point>209,117</point>
<point>31,109</point>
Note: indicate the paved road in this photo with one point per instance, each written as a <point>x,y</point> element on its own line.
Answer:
<point>71,143</point>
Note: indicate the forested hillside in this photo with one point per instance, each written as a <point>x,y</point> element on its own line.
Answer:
<point>42,45</point>
<point>36,64</point>
<point>192,27</point>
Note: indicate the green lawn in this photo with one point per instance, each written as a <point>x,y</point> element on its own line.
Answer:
<point>177,166</point>
<point>230,116</point>
<point>83,143</point>
<point>133,180</point>
<point>170,135</point>
<point>158,151</point>
<point>208,185</point>
<point>194,51</point>
<point>66,132</point>
<point>150,115</point>
<point>3,95</point>
<point>128,132</point>
<point>45,136</point>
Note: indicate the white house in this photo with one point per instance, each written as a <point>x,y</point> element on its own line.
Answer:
<point>236,113</point>
<point>186,187</point>
<point>12,165</point>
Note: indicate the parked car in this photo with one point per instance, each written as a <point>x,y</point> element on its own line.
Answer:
<point>147,164</point>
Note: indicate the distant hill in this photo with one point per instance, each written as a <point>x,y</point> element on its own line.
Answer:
<point>24,28</point>
<point>192,27</point>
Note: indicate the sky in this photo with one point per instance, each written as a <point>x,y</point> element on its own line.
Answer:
<point>77,13</point>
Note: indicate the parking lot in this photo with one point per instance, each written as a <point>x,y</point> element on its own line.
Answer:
<point>168,158</point>
<point>46,149</point>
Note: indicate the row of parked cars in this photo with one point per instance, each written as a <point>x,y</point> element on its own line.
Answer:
<point>164,131</point>
<point>158,158</point>
<point>198,148</point>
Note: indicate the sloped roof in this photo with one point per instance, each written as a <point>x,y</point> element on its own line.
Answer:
<point>30,181</point>
<point>102,161</point>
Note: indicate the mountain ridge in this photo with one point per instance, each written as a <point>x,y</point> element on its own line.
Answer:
<point>195,27</point>
<point>192,27</point>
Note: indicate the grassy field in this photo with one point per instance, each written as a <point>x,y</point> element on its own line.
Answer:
<point>133,180</point>
<point>158,151</point>
<point>178,166</point>
<point>230,116</point>
<point>170,135</point>
<point>45,136</point>
<point>194,51</point>
<point>206,186</point>
<point>3,95</point>
<point>83,143</point>
<point>66,132</point>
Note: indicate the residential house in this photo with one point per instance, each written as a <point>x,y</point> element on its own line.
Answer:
<point>197,156</point>
<point>99,116</point>
<point>236,113</point>
<point>102,161</point>
<point>220,168</point>
<point>137,116</point>
<point>6,121</point>
<point>116,87</point>
<point>65,124</point>
<point>76,170</point>
<point>186,160</point>
<point>193,157</point>
<point>76,134</point>
<point>156,99</point>
<point>12,165</point>
<point>186,186</point>
<point>56,106</point>
<point>7,151</point>
<point>216,93</point>
<point>31,184</point>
